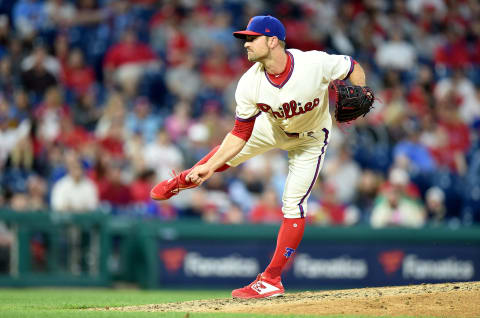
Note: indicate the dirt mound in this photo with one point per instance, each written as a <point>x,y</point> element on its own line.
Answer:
<point>433,300</point>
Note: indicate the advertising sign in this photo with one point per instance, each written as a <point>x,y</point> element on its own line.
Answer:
<point>318,266</point>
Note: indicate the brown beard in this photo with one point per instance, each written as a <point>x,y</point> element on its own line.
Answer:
<point>260,58</point>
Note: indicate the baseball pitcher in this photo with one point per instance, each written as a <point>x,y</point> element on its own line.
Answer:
<point>282,102</point>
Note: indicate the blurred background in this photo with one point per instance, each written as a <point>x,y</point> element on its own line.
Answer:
<point>101,99</point>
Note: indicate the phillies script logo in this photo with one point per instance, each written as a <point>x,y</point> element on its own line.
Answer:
<point>173,258</point>
<point>391,261</point>
<point>289,110</point>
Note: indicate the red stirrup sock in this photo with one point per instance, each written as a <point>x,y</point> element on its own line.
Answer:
<point>288,239</point>
<point>202,161</point>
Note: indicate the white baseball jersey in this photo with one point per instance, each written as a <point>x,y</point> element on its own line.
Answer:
<point>301,103</point>
<point>298,105</point>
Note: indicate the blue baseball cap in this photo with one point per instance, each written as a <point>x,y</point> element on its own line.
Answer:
<point>263,25</point>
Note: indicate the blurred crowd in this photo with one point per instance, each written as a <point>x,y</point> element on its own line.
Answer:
<point>101,99</point>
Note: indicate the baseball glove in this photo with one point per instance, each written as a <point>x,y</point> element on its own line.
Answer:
<point>352,101</point>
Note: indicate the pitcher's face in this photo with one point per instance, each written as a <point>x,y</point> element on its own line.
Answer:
<point>257,47</point>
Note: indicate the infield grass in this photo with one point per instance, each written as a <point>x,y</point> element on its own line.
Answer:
<point>66,303</point>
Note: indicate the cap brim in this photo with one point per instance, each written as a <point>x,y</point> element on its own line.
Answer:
<point>243,34</point>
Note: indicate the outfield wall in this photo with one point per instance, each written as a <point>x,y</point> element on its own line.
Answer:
<point>227,255</point>
<point>98,250</point>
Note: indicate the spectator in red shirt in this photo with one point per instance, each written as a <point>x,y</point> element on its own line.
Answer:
<point>178,47</point>
<point>268,209</point>
<point>113,141</point>
<point>115,192</point>
<point>420,96</point>
<point>71,135</point>
<point>126,61</point>
<point>141,186</point>
<point>454,52</point>
<point>328,210</point>
<point>128,50</point>
<point>110,128</point>
<point>217,71</point>
<point>49,114</point>
<point>458,138</point>
<point>168,35</point>
<point>77,76</point>
<point>310,40</point>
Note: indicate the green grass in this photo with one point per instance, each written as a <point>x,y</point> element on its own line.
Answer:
<point>66,303</point>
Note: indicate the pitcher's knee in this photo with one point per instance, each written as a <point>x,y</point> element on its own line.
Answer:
<point>294,211</point>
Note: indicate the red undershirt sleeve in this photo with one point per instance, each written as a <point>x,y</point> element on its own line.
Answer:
<point>243,128</point>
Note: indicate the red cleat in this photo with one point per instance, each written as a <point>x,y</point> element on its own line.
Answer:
<point>260,288</point>
<point>168,188</point>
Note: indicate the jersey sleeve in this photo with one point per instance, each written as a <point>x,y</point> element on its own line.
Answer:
<point>336,67</point>
<point>246,108</point>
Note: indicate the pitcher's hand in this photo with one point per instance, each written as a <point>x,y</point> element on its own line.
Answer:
<point>199,174</point>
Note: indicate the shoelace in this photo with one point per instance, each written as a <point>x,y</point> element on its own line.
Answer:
<point>253,283</point>
<point>174,176</point>
<point>257,284</point>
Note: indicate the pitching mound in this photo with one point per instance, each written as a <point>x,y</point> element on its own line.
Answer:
<point>433,300</point>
